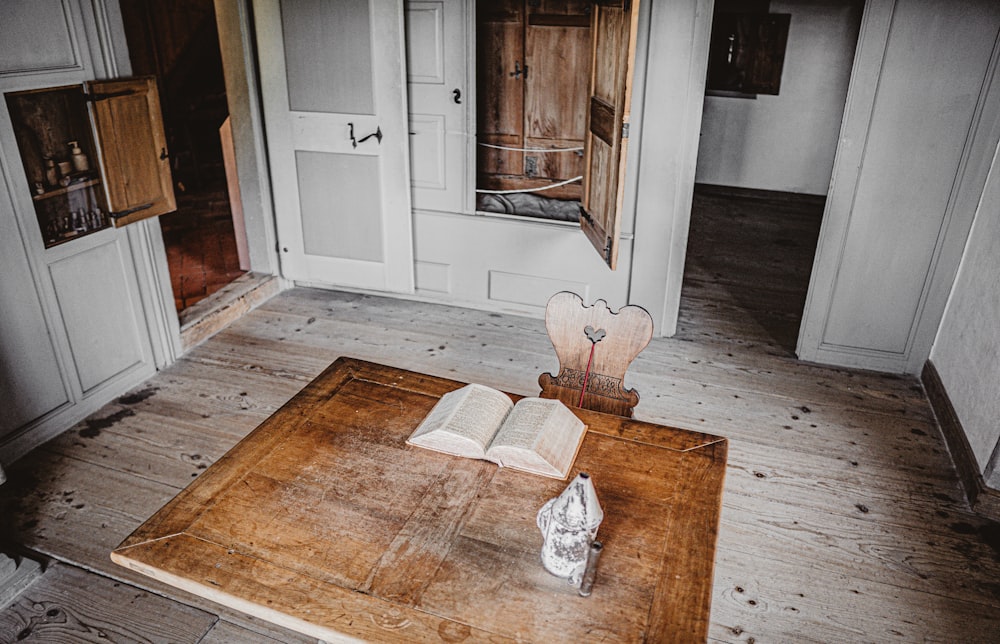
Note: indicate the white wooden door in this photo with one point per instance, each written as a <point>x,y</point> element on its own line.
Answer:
<point>436,63</point>
<point>332,78</point>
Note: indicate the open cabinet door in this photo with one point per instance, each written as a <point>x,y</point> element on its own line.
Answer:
<point>128,127</point>
<point>613,32</point>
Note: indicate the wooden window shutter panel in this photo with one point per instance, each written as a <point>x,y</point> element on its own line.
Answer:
<point>132,145</point>
<point>614,25</point>
<point>770,38</point>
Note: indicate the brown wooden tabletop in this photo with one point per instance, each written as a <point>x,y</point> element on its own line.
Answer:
<point>323,520</point>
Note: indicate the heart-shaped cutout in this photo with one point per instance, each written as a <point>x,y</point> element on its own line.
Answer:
<point>594,336</point>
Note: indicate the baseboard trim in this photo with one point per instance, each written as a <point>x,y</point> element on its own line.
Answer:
<point>759,193</point>
<point>984,500</point>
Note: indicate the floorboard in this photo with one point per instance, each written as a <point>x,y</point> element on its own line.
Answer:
<point>68,604</point>
<point>843,518</point>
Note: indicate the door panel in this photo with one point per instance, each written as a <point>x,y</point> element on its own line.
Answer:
<point>613,30</point>
<point>319,67</point>
<point>320,224</point>
<point>335,115</point>
<point>101,317</point>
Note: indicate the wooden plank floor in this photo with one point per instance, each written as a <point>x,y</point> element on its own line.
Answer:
<point>843,519</point>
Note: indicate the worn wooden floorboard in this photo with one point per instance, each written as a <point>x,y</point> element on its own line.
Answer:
<point>862,547</point>
<point>773,600</point>
<point>842,520</point>
<point>68,604</point>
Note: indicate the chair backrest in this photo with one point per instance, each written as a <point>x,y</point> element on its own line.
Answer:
<point>595,346</point>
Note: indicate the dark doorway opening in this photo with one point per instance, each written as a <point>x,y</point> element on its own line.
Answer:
<point>178,43</point>
<point>764,166</point>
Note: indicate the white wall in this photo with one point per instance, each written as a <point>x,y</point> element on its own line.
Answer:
<point>787,142</point>
<point>966,352</point>
<point>918,138</point>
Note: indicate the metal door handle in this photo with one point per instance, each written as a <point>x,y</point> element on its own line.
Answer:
<point>377,134</point>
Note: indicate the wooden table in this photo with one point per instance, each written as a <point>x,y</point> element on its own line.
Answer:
<point>324,521</point>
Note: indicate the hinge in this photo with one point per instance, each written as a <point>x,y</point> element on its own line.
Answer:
<point>607,252</point>
<point>99,96</point>
<point>624,130</point>
<point>129,211</point>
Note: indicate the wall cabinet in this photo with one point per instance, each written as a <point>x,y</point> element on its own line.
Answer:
<point>94,155</point>
<point>533,63</point>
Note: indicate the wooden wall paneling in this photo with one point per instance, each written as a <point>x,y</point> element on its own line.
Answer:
<point>166,31</point>
<point>572,12</point>
<point>540,101</point>
<point>556,166</point>
<point>521,182</point>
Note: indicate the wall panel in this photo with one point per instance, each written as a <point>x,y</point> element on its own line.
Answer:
<point>37,37</point>
<point>99,309</point>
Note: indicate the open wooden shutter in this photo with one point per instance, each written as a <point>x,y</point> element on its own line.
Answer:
<point>129,130</point>
<point>613,32</point>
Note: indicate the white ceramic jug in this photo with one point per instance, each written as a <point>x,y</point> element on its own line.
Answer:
<point>569,524</point>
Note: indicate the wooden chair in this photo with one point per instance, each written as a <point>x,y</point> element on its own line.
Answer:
<point>595,346</point>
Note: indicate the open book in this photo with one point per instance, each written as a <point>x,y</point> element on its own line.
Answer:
<point>536,435</point>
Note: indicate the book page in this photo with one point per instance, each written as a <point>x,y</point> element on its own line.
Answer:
<point>561,440</point>
<point>523,425</point>
<point>480,414</point>
<point>464,421</point>
<point>540,436</point>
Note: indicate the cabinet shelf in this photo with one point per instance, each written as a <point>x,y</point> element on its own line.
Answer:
<point>66,190</point>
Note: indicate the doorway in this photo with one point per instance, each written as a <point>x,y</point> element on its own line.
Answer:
<point>178,43</point>
<point>763,171</point>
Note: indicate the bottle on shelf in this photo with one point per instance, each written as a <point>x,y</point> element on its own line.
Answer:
<point>51,174</point>
<point>80,162</point>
